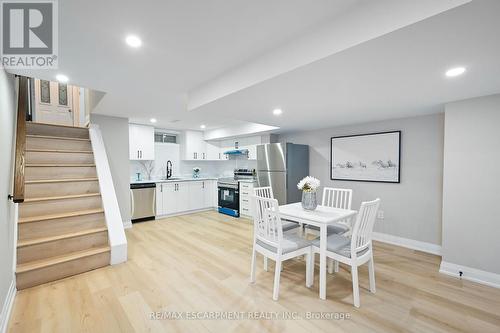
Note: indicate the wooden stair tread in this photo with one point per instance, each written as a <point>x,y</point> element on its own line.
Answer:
<point>34,241</point>
<point>37,150</point>
<point>57,125</point>
<point>71,196</point>
<point>55,137</point>
<point>65,165</point>
<point>26,267</point>
<point>62,180</point>
<point>58,216</point>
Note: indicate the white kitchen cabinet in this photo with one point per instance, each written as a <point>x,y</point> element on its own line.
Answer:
<point>214,151</point>
<point>196,195</point>
<point>246,191</point>
<point>210,194</point>
<point>194,147</point>
<point>179,197</point>
<point>141,142</point>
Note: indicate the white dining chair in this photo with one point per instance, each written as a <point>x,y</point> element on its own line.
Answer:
<point>267,192</point>
<point>336,198</point>
<point>355,250</point>
<point>270,241</point>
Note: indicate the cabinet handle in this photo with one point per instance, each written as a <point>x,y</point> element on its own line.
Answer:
<point>244,200</point>
<point>219,156</point>
<point>194,156</point>
<point>203,184</point>
<point>203,155</point>
<point>137,154</point>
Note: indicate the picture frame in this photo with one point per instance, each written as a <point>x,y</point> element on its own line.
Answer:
<point>371,157</point>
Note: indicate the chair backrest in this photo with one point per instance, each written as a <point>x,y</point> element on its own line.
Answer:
<point>267,221</point>
<point>337,197</point>
<point>363,227</point>
<point>264,192</point>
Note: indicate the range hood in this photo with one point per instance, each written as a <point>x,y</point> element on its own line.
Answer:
<point>237,152</point>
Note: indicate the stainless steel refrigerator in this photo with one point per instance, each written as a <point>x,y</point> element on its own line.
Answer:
<point>282,166</point>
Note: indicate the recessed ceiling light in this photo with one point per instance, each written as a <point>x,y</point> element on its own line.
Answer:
<point>153,120</point>
<point>203,126</point>
<point>62,78</point>
<point>452,72</point>
<point>277,112</point>
<point>133,41</point>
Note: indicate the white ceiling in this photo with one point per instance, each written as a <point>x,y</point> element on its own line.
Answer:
<point>397,75</point>
<point>188,44</point>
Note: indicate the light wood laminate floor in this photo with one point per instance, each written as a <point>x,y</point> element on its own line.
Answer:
<point>201,262</point>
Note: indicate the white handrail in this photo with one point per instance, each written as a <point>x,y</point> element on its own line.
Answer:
<point>116,231</point>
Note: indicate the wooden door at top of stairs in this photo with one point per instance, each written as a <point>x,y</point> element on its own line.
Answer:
<point>56,103</point>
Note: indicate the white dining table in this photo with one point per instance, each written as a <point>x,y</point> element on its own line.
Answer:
<point>321,217</point>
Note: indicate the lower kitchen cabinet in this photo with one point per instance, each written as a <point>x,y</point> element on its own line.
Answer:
<point>179,197</point>
<point>246,192</point>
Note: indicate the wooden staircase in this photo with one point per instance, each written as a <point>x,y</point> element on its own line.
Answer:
<point>61,227</point>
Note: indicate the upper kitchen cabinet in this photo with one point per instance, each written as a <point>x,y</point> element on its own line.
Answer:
<point>214,152</point>
<point>193,146</point>
<point>141,142</point>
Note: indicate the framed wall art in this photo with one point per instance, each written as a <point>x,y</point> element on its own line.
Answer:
<point>374,157</point>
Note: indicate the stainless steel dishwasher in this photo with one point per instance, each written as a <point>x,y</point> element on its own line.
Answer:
<point>143,201</point>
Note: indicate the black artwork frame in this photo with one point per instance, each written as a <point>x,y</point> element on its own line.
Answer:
<point>365,180</point>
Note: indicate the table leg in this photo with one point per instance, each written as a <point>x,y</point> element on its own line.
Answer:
<point>322,261</point>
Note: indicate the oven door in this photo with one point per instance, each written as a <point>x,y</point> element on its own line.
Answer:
<point>229,201</point>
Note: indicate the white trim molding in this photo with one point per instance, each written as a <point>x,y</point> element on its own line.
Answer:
<point>7,306</point>
<point>470,274</point>
<point>408,243</point>
<point>114,222</point>
<point>127,224</point>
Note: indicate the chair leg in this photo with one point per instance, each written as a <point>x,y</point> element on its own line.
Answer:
<point>308,269</point>
<point>311,268</point>
<point>252,268</point>
<point>277,273</point>
<point>336,266</point>
<point>330,266</point>
<point>371,273</point>
<point>265,264</point>
<point>355,285</point>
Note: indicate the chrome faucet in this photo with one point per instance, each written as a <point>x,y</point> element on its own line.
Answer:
<point>169,169</point>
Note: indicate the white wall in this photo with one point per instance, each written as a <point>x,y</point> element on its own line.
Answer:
<point>171,151</point>
<point>471,189</point>
<point>7,213</point>
<point>115,134</point>
<point>413,207</point>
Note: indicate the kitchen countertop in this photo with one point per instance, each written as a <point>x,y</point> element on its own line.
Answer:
<point>247,180</point>
<point>176,180</point>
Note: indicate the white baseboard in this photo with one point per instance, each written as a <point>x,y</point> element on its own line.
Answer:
<point>184,213</point>
<point>470,274</point>
<point>408,243</point>
<point>127,224</point>
<point>7,307</point>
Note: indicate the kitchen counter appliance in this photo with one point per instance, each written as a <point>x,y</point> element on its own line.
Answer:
<point>229,191</point>
<point>143,201</point>
<point>282,166</point>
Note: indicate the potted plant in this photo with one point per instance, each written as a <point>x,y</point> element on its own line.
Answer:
<point>308,186</point>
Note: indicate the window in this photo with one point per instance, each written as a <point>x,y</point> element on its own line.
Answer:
<point>165,137</point>
<point>45,91</point>
<point>63,94</point>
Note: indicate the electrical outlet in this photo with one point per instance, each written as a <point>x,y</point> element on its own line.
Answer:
<point>380,214</point>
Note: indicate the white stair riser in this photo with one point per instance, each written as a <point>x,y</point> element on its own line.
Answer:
<point>49,207</point>
<point>56,227</point>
